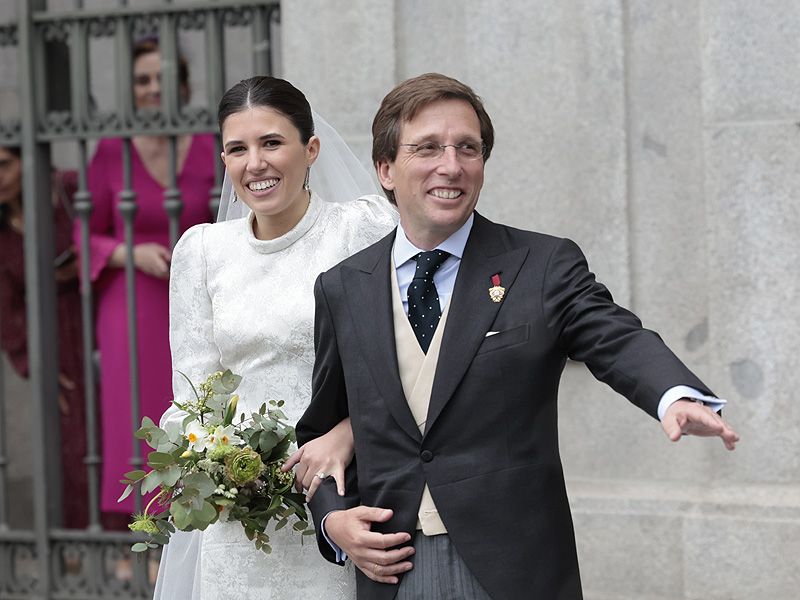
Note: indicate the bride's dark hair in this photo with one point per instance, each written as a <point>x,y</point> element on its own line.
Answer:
<point>263,91</point>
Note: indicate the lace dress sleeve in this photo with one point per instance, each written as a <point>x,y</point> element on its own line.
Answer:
<point>191,320</point>
<point>372,218</point>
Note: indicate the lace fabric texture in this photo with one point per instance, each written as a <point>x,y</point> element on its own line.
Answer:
<point>248,305</point>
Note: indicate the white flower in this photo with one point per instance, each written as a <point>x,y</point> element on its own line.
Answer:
<point>223,436</point>
<point>197,436</point>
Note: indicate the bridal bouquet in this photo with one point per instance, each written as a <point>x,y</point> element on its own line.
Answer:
<point>211,468</point>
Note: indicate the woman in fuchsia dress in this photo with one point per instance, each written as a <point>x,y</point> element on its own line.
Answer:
<point>151,254</point>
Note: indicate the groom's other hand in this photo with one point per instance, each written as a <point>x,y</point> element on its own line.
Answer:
<point>373,553</point>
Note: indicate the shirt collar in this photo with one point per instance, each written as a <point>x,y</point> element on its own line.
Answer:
<point>405,250</point>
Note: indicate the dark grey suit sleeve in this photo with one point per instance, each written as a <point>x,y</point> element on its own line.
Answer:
<point>592,329</point>
<point>328,407</point>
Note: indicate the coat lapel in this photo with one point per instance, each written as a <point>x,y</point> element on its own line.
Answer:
<point>472,311</point>
<point>371,313</point>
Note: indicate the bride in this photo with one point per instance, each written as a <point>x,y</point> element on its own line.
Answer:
<point>241,298</point>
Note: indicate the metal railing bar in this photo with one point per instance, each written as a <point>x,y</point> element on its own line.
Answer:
<point>83,208</point>
<point>168,50</point>
<point>173,204</point>
<point>124,61</point>
<point>128,208</point>
<point>40,290</point>
<point>215,88</point>
<point>121,132</point>
<point>79,73</point>
<point>214,194</point>
<point>135,11</point>
<point>3,456</point>
<point>260,27</point>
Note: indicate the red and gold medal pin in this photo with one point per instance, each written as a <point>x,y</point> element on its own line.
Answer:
<point>496,292</point>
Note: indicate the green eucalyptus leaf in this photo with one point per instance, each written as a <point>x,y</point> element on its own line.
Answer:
<point>171,475</point>
<point>139,547</point>
<point>274,505</point>
<point>126,493</point>
<point>180,515</point>
<point>196,503</point>
<point>159,460</point>
<point>155,438</point>
<point>134,476</point>
<point>267,441</point>
<point>226,384</point>
<point>205,516</point>
<point>201,483</point>
<point>151,482</point>
<point>281,524</point>
<point>159,538</point>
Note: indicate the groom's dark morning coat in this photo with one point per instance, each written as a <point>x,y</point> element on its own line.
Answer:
<point>490,449</point>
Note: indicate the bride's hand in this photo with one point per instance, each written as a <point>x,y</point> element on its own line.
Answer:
<point>327,455</point>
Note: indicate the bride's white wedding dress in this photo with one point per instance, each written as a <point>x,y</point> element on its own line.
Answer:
<point>243,304</point>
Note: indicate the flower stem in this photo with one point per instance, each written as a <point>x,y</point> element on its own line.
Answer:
<point>154,498</point>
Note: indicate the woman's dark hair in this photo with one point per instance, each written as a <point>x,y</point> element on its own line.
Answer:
<point>150,44</point>
<point>16,151</point>
<point>269,92</point>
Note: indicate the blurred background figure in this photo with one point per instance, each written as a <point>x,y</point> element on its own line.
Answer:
<point>13,336</point>
<point>151,257</point>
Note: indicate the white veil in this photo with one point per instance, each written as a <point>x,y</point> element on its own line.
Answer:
<point>336,176</point>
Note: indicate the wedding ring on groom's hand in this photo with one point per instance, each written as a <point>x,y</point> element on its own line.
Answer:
<point>321,475</point>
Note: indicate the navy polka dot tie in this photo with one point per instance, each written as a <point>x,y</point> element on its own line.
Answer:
<point>424,311</point>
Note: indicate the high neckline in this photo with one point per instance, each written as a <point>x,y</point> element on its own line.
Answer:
<point>291,236</point>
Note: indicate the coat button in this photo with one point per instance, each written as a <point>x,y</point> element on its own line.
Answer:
<point>426,456</point>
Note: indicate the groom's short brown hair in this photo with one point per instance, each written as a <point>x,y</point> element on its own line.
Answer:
<point>409,97</point>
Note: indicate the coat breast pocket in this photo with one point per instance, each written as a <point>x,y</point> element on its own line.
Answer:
<point>506,338</point>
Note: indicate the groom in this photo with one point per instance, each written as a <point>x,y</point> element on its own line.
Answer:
<point>445,343</point>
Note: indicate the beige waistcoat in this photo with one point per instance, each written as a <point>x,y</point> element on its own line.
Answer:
<point>417,370</point>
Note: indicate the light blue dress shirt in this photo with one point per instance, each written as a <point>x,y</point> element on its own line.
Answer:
<point>445,278</point>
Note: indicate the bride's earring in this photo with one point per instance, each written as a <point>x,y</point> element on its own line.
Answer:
<point>308,176</point>
<point>235,197</point>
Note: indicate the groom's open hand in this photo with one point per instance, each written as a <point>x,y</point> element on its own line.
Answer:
<point>373,553</point>
<point>686,417</point>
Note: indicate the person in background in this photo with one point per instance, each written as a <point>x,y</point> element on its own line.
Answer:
<point>151,257</point>
<point>13,321</point>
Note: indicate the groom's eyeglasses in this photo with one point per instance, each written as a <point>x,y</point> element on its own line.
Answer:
<point>464,151</point>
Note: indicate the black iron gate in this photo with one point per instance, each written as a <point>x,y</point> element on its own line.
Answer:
<point>55,48</point>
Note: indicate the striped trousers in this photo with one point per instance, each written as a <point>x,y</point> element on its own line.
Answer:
<point>438,573</point>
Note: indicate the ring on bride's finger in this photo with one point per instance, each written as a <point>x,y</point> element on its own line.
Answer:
<point>321,475</point>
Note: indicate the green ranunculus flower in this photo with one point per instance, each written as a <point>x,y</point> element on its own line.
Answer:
<point>221,452</point>
<point>243,466</point>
